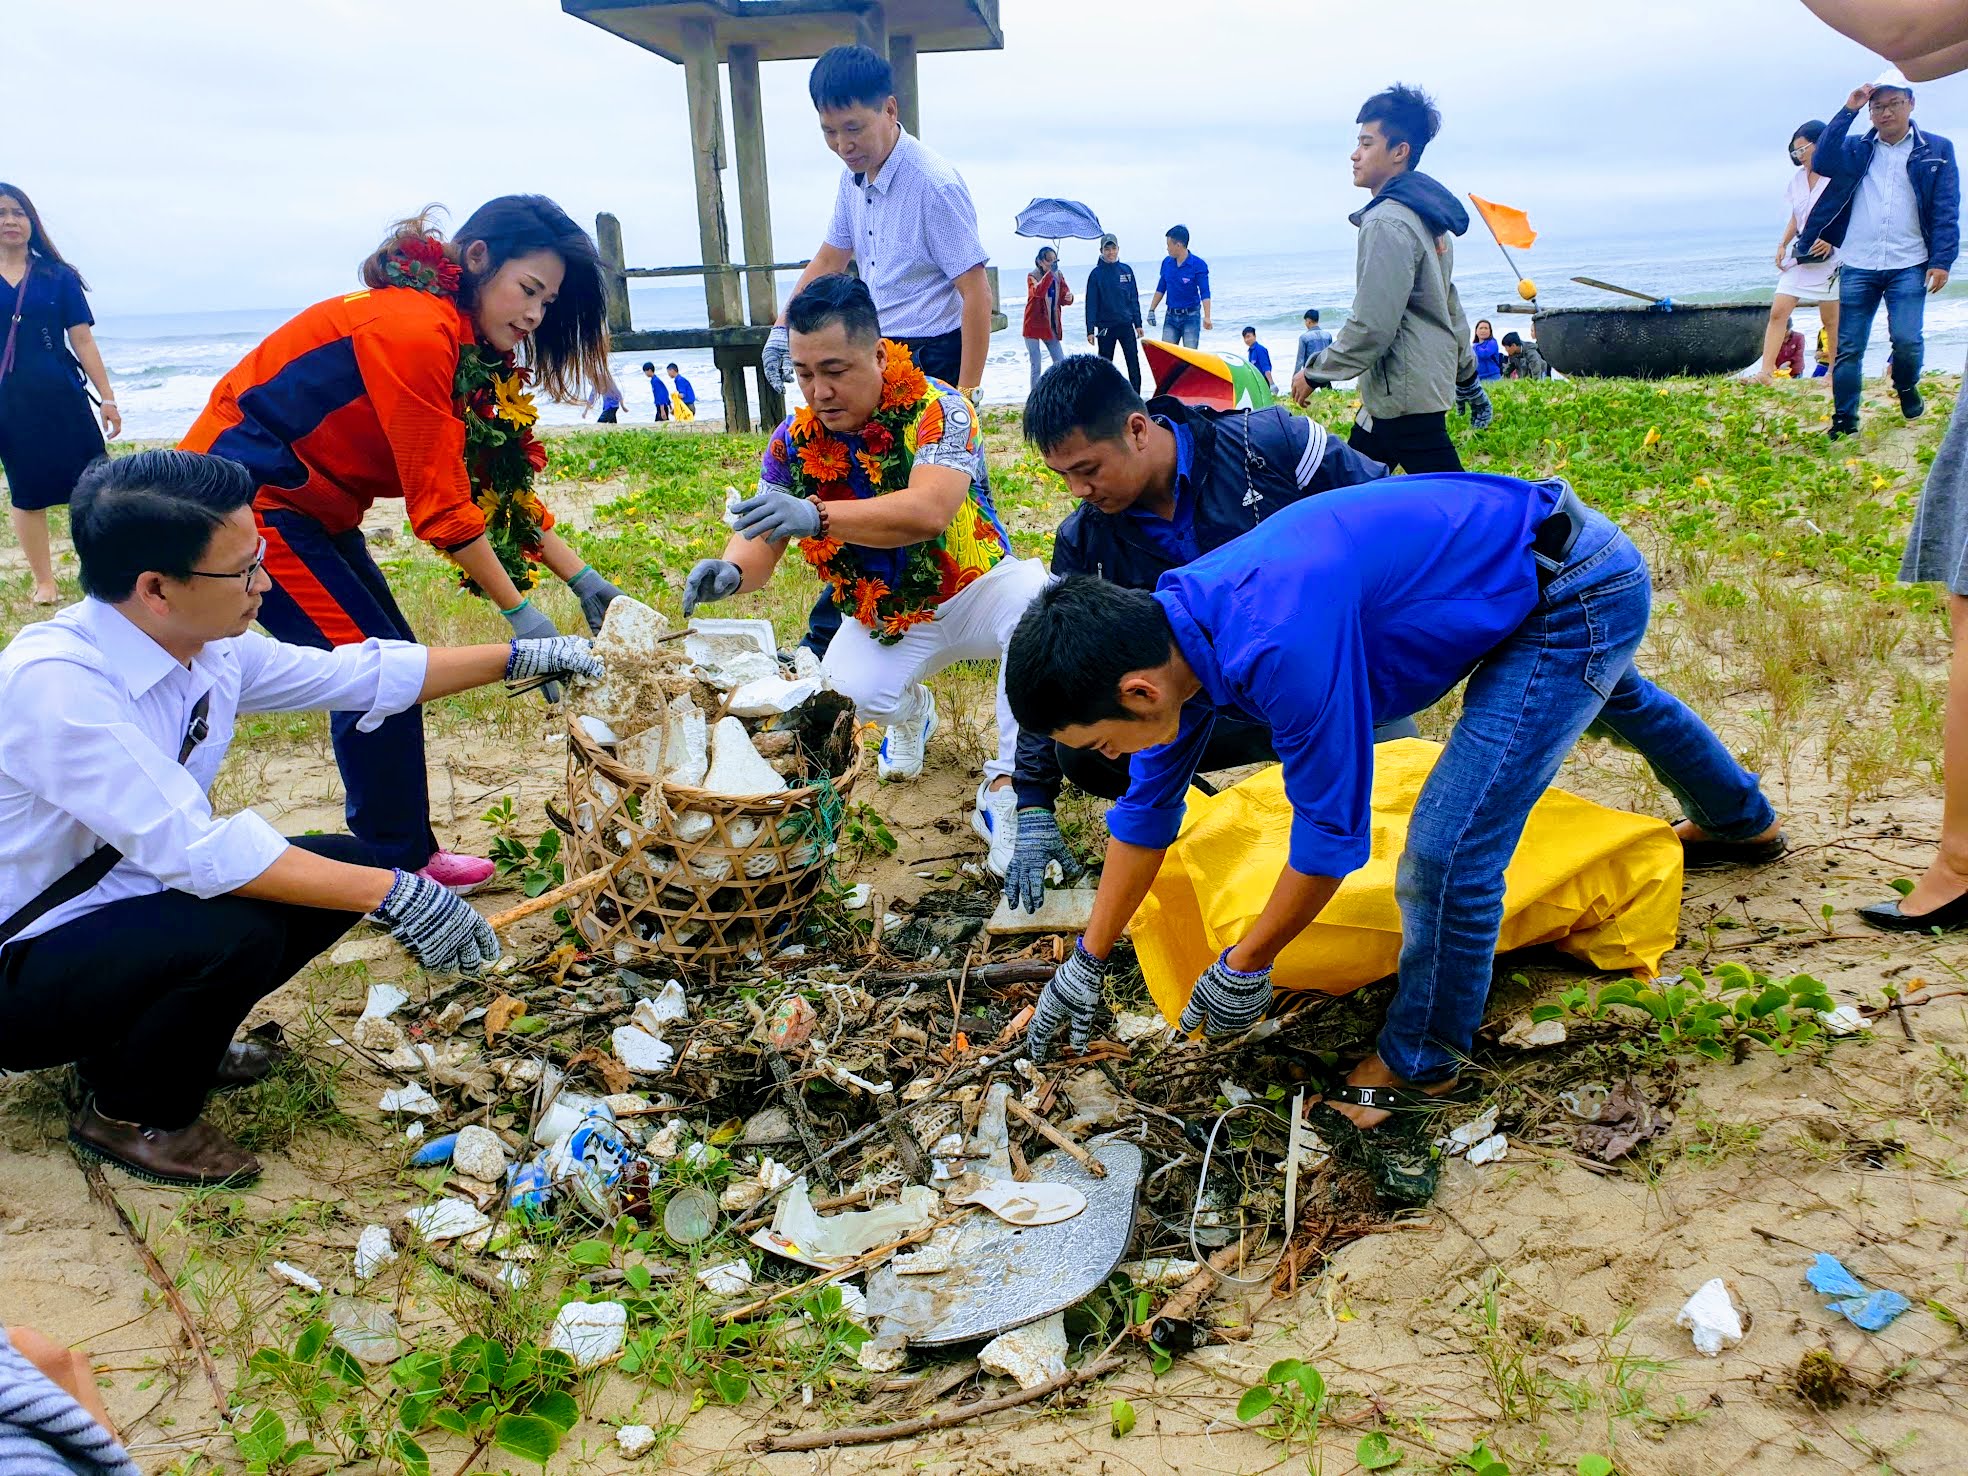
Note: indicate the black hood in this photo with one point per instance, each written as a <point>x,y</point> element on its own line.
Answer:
<point>1439,210</point>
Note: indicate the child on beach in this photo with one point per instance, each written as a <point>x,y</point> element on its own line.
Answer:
<point>1259,356</point>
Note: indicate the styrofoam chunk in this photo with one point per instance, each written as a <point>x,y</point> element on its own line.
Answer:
<point>373,1251</point>
<point>642,1052</point>
<point>1490,1149</point>
<point>479,1154</point>
<point>408,1098</point>
<point>1029,1355</point>
<point>446,1219</point>
<point>736,767</point>
<point>589,1332</point>
<point>294,1276</point>
<point>1713,1316</point>
<point>1064,910</point>
<point>726,1280</point>
<point>635,1440</point>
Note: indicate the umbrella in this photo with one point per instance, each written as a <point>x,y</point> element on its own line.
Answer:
<point>1199,377</point>
<point>1051,219</point>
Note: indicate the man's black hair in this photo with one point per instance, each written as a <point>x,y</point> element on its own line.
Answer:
<point>672,365</point>
<point>1250,330</point>
<point>1177,233</point>
<point>1065,662</point>
<point>1313,314</point>
<point>1084,393</point>
<point>850,77</point>
<point>835,298</point>
<point>1406,115</point>
<point>649,366</point>
<point>155,511</point>
<point>1511,340</point>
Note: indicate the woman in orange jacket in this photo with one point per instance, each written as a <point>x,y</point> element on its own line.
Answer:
<point>413,388</point>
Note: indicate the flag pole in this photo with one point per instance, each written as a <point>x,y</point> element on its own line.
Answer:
<point>1509,260</point>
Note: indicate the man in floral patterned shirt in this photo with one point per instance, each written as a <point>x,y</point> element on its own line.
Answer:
<point>881,477</point>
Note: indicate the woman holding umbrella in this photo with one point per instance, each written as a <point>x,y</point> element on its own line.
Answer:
<point>1046,293</point>
<point>415,388</point>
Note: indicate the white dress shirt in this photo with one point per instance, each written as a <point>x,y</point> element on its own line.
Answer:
<point>92,715</point>
<point>1884,231</point>
<point>912,231</point>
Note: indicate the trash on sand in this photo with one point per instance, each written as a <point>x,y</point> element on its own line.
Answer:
<point>1030,1355</point>
<point>736,767</point>
<point>1130,1027</point>
<point>642,1052</point>
<point>690,1215</point>
<point>1467,1135</point>
<point>857,896</point>
<point>1490,1149</point>
<point>361,950</point>
<point>411,1098</point>
<point>1714,1316</point>
<point>589,1162</point>
<point>383,1001</point>
<point>366,1330</point>
<point>437,1150</point>
<point>666,1008</point>
<point>726,1279</point>
<point>791,1023</point>
<point>413,1132</point>
<point>294,1276</point>
<point>885,1354</point>
<point>373,1251</point>
<point>596,729</point>
<point>1016,1203</point>
<point>1064,910</point>
<point>773,696</point>
<point>830,1241</point>
<point>1847,1019</point>
<point>1523,1035</point>
<point>1872,1311</point>
<point>568,1109</point>
<point>445,1219</point>
<point>990,1145</point>
<point>479,1154</point>
<point>589,1332</point>
<point>1159,1271</point>
<point>634,1440</point>
<point>531,1191</point>
<point>1615,1120</point>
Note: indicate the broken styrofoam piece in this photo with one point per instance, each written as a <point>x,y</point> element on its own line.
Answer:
<point>832,1240</point>
<point>446,1219</point>
<point>693,825</point>
<point>414,1132</point>
<point>479,1154</point>
<point>635,1440</point>
<point>599,731</point>
<point>1847,1019</point>
<point>1064,910</point>
<point>294,1276</point>
<point>1479,1128</point>
<point>410,1098</point>
<point>642,1052</point>
<point>857,896</point>
<point>362,950</point>
<point>736,767</point>
<point>373,1251</point>
<point>1030,1355</point>
<point>634,662</point>
<point>678,748</point>
<point>1129,1026</point>
<point>805,663</point>
<point>1490,1149</point>
<point>1159,1271</point>
<point>716,639</point>
<point>366,1330</point>
<point>885,1354</point>
<point>773,695</point>
<point>589,1332</point>
<point>1713,1316</point>
<point>669,1006</point>
<point>383,1001</point>
<point>1523,1035</point>
<point>1020,1203</point>
<point>740,669</point>
<point>727,1279</point>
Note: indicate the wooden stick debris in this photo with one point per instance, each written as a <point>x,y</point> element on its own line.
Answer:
<point>923,1424</point>
<point>586,881</point>
<point>100,1192</point>
<point>847,1268</point>
<point>1057,1138</point>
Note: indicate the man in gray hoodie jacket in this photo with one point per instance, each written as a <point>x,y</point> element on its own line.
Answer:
<point>1406,340</point>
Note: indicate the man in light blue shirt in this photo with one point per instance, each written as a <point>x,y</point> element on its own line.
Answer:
<point>1333,614</point>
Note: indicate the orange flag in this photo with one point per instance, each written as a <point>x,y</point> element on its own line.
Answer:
<point>1512,227</point>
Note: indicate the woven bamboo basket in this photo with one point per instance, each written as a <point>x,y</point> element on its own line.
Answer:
<point>735,886</point>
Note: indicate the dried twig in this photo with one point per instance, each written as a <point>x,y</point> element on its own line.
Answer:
<point>1056,1137</point>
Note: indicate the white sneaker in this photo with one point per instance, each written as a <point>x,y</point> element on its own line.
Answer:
<point>902,746</point>
<point>996,819</point>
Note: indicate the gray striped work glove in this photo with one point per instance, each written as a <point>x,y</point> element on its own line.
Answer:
<point>554,655</point>
<point>1039,844</point>
<point>1071,995</point>
<point>438,928</point>
<point>1225,1002</point>
<point>1471,400</point>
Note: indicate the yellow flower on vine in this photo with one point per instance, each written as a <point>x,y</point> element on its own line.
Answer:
<point>514,403</point>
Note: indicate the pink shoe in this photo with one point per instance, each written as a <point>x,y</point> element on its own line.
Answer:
<point>460,874</point>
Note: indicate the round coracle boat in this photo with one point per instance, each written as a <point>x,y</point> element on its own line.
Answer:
<point>1652,342</point>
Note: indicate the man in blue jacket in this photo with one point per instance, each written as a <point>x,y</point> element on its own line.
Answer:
<point>1897,226</point>
<point>1159,484</point>
<point>1333,614</point>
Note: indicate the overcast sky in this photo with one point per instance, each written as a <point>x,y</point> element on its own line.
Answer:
<point>237,153</point>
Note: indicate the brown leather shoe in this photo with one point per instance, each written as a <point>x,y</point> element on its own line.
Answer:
<point>196,1157</point>
<point>245,1062</point>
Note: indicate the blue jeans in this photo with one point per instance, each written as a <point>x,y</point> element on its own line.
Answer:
<point>1569,665</point>
<point>1036,349</point>
<point>1183,326</point>
<point>1904,291</point>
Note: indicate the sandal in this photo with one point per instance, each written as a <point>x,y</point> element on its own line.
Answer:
<point>1398,1099</point>
<point>1402,1164</point>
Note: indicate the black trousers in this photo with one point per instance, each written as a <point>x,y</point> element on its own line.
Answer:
<point>940,357</point>
<point>1409,443</point>
<point>607,417</point>
<point>1126,337</point>
<point>145,994</point>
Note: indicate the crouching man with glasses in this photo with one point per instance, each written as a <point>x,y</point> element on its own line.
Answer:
<point>137,928</point>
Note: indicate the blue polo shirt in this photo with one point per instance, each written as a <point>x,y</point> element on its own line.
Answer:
<point>1174,538</point>
<point>1260,358</point>
<point>683,391</point>
<point>658,390</point>
<point>1185,284</point>
<point>1349,609</point>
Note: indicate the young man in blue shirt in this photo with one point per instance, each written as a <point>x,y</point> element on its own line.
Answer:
<point>1259,356</point>
<point>658,390</point>
<point>1185,283</point>
<point>681,386</point>
<point>1335,613</point>
<point>1311,343</point>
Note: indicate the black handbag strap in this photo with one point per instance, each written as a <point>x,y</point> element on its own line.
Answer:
<point>14,321</point>
<point>93,867</point>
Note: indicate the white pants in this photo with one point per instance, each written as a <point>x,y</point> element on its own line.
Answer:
<point>886,682</point>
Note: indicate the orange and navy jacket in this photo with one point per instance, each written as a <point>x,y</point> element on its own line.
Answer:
<point>351,401</point>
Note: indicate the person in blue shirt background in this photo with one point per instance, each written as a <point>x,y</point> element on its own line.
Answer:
<point>658,389</point>
<point>1337,612</point>
<point>1185,283</point>
<point>1260,357</point>
<point>678,383</point>
<point>1488,352</point>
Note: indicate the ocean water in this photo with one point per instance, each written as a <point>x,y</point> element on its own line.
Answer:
<point>164,365</point>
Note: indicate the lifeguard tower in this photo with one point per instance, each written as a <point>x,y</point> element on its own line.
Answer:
<point>741,34</point>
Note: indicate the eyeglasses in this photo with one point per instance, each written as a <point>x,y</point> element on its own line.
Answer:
<point>1888,104</point>
<point>244,576</point>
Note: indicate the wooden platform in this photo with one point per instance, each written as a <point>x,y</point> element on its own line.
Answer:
<point>791,30</point>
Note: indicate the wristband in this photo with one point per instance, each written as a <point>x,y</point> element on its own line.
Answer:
<point>826,519</point>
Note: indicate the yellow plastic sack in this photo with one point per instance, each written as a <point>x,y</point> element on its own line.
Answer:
<point>1603,885</point>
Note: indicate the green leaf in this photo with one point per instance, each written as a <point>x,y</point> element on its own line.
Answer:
<point>1144,1303</point>
<point>309,1344</point>
<point>344,1366</point>
<point>1283,1371</point>
<point>731,1382</point>
<point>445,1417</point>
<point>527,1436</point>
<point>1594,1464</point>
<point>1256,1400</point>
<point>413,1457</point>
<point>1313,1383</point>
<point>296,1451</point>
<point>590,1253</point>
<point>415,1412</point>
<point>1160,1360</point>
<point>1120,1416</point>
<point>1376,1452</point>
<point>1543,1012</point>
<point>556,1408</point>
<point>1901,885</point>
<point>261,1443</point>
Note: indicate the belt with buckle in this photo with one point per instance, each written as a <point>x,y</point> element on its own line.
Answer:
<point>1558,535</point>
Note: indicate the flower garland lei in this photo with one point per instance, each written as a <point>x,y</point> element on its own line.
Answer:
<point>820,466</point>
<point>502,455</point>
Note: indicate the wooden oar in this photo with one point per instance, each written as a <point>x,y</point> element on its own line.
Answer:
<point>1622,291</point>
